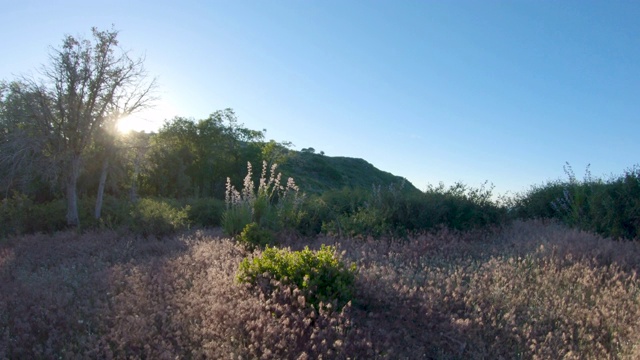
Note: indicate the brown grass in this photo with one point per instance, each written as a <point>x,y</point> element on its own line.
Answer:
<point>533,291</point>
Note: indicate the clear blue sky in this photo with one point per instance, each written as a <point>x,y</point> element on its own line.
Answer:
<point>504,91</point>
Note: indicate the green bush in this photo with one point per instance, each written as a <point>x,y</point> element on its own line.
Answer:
<point>390,211</point>
<point>115,213</point>
<point>365,222</point>
<point>158,217</point>
<point>609,208</point>
<point>462,207</point>
<point>536,203</point>
<point>14,214</point>
<point>205,211</point>
<point>48,217</point>
<point>19,215</point>
<point>253,236</point>
<point>345,201</point>
<point>320,275</point>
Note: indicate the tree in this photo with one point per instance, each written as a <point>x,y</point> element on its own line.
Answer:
<point>194,158</point>
<point>84,90</point>
<point>275,152</point>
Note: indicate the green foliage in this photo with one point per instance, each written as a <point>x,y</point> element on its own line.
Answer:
<point>314,211</point>
<point>235,218</point>
<point>205,211</point>
<point>320,275</point>
<point>253,236</point>
<point>158,217</point>
<point>14,214</point>
<point>610,208</point>
<point>391,211</point>
<point>537,201</point>
<point>192,158</point>
<point>318,173</point>
<point>116,213</point>
<point>19,215</point>
<point>272,205</point>
<point>461,207</point>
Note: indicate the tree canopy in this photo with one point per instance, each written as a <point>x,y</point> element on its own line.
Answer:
<point>49,122</point>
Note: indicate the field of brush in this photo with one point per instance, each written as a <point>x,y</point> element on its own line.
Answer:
<point>531,290</point>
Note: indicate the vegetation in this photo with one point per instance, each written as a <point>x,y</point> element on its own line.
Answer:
<point>272,205</point>
<point>49,124</point>
<point>145,271</point>
<point>610,208</point>
<point>319,173</point>
<point>532,290</point>
<point>253,236</point>
<point>319,275</point>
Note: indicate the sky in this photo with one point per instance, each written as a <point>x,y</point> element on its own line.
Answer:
<point>434,91</point>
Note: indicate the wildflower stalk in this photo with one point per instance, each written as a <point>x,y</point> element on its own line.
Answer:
<point>272,205</point>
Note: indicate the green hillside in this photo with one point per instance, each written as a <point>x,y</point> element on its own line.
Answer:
<point>315,173</point>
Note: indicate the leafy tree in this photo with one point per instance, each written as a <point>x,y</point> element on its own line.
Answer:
<point>50,122</point>
<point>194,157</point>
<point>275,152</point>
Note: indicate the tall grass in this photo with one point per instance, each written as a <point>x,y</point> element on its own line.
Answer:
<point>533,290</point>
<point>272,205</point>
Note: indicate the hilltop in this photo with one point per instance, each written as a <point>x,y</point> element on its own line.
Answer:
<point>316,173</point>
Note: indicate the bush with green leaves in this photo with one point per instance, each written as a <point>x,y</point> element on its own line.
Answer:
<point>610,208</point>
<point>461,207</point>
<point>357,212</point>
<point>313,212</point>
<point>205,211</point>
<point>272,205</point>
<point>389,211</point>
<point>14,214</point>
<point>158,217</point>
<point>321,275</point>
<point>253,236</point>
<point>536,203</point>
<point>20,215</point>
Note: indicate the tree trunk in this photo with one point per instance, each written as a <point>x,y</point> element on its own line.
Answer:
<point>101,185</point>
<point>73,220</point>
<point>133,192</point>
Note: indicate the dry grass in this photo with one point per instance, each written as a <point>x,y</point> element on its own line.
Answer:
<point>532,291</point>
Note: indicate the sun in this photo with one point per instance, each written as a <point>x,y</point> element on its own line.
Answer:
<point>146,120</point>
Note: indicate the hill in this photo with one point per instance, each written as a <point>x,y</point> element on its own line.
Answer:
<point>315,173</point>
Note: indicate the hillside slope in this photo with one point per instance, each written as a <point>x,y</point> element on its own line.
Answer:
<point>315,173</point>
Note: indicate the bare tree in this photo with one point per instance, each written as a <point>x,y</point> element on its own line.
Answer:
<point>86,87</point>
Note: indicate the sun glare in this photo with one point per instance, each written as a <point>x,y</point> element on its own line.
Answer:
<point>146,120</point>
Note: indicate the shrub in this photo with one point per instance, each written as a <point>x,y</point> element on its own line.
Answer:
<point>610,208</point>
<point>19,215</point>
<point>536,203</point>
<point>314,211</point>
<point>158,217</point>
<point>13,214</point>
<point>366,213</point>
<point>115,213</point>
<point>48,217</point>
<point>205,211</point>
<point>271,206</point>
<point>253,236</point>
<point>320,275</point>
<point>392,212</point>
